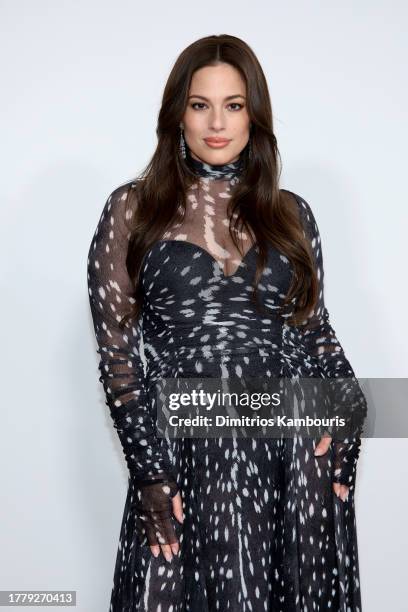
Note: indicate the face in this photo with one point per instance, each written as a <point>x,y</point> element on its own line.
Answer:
<point>216,111</point>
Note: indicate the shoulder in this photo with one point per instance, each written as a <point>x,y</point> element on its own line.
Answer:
<point>113,216</point>
<point>303,210</point>
<point>121,193</point>
<point>299,202</point>
<point>116,210</point>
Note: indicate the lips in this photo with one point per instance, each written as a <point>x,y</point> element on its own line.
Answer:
<point>215,140</point>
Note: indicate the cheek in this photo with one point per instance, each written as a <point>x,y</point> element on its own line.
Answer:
<point>242,137</point>
<point>242,127</point>
<point>193,123</point>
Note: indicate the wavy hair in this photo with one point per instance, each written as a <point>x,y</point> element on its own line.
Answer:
<point>270,213</point>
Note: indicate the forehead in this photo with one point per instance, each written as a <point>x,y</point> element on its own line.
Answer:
<point>217,81</point>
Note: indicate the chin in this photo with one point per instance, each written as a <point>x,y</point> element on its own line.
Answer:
<point>219,157</point>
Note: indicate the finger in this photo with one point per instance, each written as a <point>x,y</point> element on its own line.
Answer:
<point>178,507</point>
<point>170,536</point>
<point>341,491</point>
<point>153,533</point>
<point>166,550</point>
<point>322,446</point>
<point>166,536</point>
<point>336,488</point>
<point>155,550</point>
<point>344,491</point>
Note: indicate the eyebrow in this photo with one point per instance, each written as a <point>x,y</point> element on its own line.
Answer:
<point>227,98</point>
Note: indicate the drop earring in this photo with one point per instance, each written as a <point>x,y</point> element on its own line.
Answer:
<point>182,145</point>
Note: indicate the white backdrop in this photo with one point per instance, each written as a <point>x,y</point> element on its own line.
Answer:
<point>82,82</point>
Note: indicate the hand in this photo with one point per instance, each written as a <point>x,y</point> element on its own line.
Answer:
<point>168,549</point>
<point>340,490</point>
<point>157,500</point>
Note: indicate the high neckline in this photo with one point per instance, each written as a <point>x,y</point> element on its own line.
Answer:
<point>233,170</point>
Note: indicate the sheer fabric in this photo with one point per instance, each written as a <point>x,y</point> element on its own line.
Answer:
<point>206,220</point>
<point>206,224</point>
<point>322,344</point>
<point>122,373</point>
<point>185,332</point>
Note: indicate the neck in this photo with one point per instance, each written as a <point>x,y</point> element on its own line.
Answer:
<point>215,171</point>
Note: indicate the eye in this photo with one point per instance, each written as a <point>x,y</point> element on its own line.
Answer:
<point>237,104</point>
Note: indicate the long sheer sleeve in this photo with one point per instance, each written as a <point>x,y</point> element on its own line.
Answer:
<point>345,395</point>
<point>121,368</point>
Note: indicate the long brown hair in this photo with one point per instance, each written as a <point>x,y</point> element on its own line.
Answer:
<point>271,214</point>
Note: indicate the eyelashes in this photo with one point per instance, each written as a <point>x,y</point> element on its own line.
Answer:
<point>194,104</point>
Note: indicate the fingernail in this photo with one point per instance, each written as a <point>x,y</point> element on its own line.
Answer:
<point>156,553</point>
<point>168,557</point>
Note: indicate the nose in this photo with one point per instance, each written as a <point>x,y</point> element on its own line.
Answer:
<point>217,119</point>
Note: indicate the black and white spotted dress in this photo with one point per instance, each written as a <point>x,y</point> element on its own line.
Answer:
<point>263,529</point>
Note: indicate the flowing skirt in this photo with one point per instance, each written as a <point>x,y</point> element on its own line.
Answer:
<point>263,529</point>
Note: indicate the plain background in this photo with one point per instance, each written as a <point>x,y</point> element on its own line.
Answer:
<point>82,83</point>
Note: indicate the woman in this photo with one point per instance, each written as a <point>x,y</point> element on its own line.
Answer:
<point>221,273</point>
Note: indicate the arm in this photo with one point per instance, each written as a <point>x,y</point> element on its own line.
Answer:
<point>323,345</point>
<point>121,368</point>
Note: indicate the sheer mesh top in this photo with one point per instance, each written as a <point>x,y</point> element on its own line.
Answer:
<point>206,221</point>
